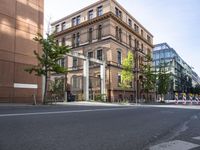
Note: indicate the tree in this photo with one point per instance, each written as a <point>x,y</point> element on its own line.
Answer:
<point>57,86</point>
<point>127,73</point>
<point>163,81</point>
<point>149,78</point>
<point>196,89</point>
<point>48,59</point>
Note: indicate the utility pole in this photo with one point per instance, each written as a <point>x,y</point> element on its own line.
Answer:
<point>136,71</point>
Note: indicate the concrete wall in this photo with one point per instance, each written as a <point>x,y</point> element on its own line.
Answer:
<point>20,21</point>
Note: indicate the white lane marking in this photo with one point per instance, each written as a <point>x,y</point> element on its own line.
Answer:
<point>174,145</point>
<point>62,112</point>
<point>196,138</point>
<point>173,106</point>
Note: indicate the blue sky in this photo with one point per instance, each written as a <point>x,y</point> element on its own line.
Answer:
<point>176,22</point>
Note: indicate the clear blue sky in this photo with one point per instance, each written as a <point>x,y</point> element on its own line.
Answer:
<point>176,22</point>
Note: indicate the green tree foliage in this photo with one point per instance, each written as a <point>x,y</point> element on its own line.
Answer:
<point>127,72</point>
<point>48,59</point>
<point>163,81</point>
<point>196,89</point>
<point>57,86</point>
<point>149,78</point>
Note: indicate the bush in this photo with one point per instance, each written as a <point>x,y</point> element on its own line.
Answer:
<point>100,97</point>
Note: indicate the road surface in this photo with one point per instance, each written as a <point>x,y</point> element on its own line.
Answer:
<point>76,127</point>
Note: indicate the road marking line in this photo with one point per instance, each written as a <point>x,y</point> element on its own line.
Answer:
<point>196,138</point>
<point>174,145</point>
<point>62,112</point>
<point>173,106</point>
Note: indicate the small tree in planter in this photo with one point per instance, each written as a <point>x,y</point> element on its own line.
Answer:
<point>48,59</point>
<point>127,73</point>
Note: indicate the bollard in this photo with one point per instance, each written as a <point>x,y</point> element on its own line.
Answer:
<point>184,101</point>
<point>34,99</point>
<point>197,100</point>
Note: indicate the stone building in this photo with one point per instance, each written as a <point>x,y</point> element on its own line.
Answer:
<point>106,31</point>
<point>20,21</point>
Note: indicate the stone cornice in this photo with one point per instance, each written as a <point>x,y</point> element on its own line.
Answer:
<point>101,18</point>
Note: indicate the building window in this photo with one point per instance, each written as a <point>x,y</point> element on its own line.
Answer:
<point>131,84</point>
<point>75,62</point>
<point>57,28</point>
<point>100,11</point>
<point>119,57</point>
<point>136,28</point>
<point>99,32</point>
<point>130,22</point>
<point>137,44</point>
<point>90,35</point>
<point>142,47</point>
<point>57,42</point>
<point>130,40</point>
<point>142,33</point>
<point>76,20</point>
<point>148,38</point>
<point>77,39</point>
<point>118,13</point>
<point>120,34</point>
<point>148,51</point>
<point>100,54</point>
<point>63,41</point>
<point>131,97</point>
<point>119,79</point>
<point>117,32</point>
<point>63,26</point>
<point>73,21</point>
<point>75,82</point>
<point>120,97</point>
<point>62,62</point>
<point>90,14</point>
<point>90,55</point>
<point>73,40</point>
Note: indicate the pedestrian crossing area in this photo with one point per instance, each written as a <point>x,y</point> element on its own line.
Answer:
<point>177,145</point>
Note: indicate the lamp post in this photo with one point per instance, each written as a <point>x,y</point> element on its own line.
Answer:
<point>136,70</point>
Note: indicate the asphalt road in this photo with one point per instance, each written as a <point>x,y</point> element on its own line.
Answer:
<point>96,128</point>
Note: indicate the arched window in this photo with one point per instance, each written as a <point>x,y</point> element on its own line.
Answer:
<point>99,32</point>
<point>90,35</point>
<point>130,40</point>
<point>117,32</point>
<point>120,34</point>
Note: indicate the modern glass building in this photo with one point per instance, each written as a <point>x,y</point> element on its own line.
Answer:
<point>181,72</point>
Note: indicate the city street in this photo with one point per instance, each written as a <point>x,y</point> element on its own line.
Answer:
<point>81,127</point>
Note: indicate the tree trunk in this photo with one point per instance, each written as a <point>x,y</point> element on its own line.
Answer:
<point>124,95</point>
<point>45,88</point>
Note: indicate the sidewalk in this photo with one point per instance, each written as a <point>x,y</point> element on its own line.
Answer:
<point>93,103</point>
<point>15,104</point>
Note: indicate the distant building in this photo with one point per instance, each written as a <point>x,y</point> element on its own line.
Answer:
<point>20,21</point>
<point>106,31</point>
<point>182,75</point>
<point>195,79</point>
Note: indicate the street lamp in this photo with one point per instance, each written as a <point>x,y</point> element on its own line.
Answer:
<point>137,70</point>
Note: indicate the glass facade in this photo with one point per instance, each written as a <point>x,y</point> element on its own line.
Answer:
<point>181,72</point>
